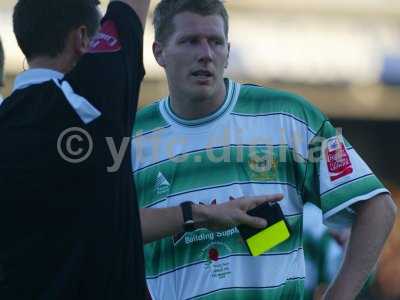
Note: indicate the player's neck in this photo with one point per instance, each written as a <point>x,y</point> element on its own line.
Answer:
<point>192,109</point>
<point>61,63</point>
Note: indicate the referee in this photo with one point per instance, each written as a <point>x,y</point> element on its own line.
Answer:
<point>68,226</point>
<point>1,69</point>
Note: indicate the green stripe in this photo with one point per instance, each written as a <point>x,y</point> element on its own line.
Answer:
<point>162,256</point>
<point>233,165</point>
<point>349,191</point>
<point>291,290</point>
<point>148,119</point>
<point>259,100</point>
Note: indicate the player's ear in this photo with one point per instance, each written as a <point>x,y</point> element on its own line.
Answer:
<point>227,56</point>
<point>158,53</point>
<point>81,40</point>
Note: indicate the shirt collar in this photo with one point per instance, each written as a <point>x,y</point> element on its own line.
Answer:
<point>35,76</point>
<point>230,99</point>
<point>1,99</point>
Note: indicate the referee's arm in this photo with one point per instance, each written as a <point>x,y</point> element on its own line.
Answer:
<point>140,7</point>
<point>110,73</point>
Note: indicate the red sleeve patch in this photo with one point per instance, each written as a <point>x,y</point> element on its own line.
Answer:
<point>337,158</point>
<point>106,40</point>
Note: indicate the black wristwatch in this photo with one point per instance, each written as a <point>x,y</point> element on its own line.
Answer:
<point>188,223</point>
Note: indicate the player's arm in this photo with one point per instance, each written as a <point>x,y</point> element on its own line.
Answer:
<point>375,219</point>
<point>141,7</point>
<point>158,223</point>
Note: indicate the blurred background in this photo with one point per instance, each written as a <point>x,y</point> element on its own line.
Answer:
<point>343,55</point>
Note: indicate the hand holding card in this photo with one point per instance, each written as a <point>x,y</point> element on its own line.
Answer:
<point>258,241</point>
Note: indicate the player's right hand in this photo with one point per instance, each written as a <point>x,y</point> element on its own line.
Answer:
<point>232,213</point>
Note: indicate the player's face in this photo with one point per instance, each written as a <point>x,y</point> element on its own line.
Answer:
<point>195,56</point>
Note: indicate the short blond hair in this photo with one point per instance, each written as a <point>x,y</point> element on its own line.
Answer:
<point>166,10</point>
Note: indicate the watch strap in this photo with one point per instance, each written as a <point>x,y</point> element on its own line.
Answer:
<point>187,213</point>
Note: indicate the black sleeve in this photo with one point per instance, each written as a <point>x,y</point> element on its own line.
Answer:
<point>110,74</point>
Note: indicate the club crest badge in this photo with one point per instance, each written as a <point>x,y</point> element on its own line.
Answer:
<point>263,165</point>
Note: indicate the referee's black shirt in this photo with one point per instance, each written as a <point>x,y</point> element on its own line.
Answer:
<point>71,230</point>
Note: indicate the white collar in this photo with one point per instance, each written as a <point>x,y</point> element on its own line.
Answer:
<point>35,76</point>
<point>231,97</point>
<point>86,111</point>
<point>1,99</point>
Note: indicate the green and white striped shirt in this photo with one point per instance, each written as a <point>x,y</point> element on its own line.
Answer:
<point>260,141</point>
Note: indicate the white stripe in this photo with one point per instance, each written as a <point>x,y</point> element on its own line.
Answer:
<point>167,144</point>
<point>247,271</point>
<point>291,204</point>
<point>86,111</point>
<point>341,216</point>
<point>259,115</point>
